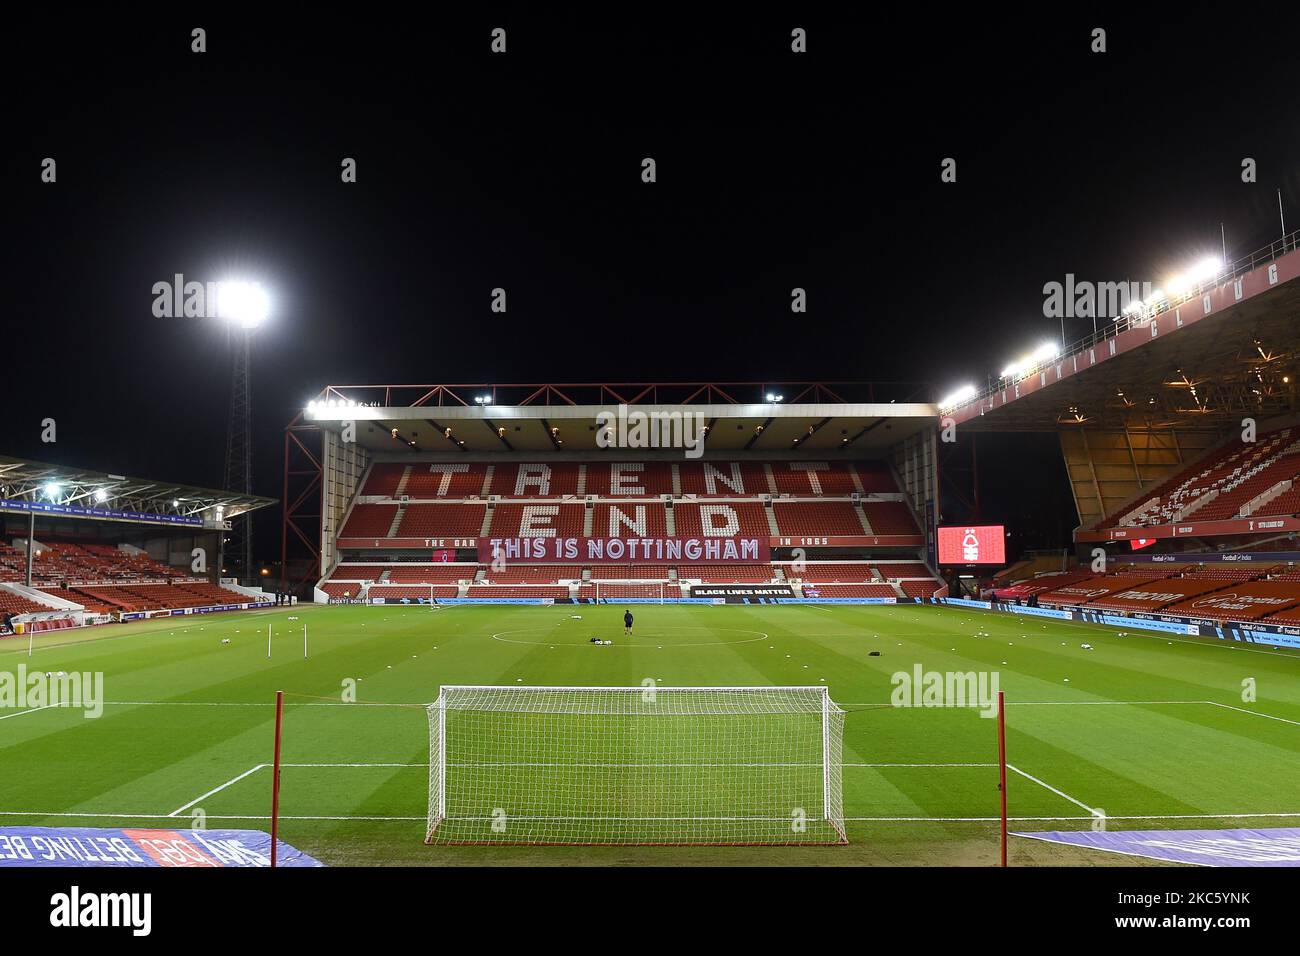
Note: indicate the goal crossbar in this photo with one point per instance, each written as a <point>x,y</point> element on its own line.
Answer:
<point>635,765</point>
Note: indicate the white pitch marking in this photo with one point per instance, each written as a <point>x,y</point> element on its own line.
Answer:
<point>1254,713</point>
<point>240,703</point>
<point>233,780</point>
<point>32,711</point>
<point>1048,786</point>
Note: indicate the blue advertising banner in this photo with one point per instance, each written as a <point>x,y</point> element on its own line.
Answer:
<point>1216,557</point>
<point>1035,611</point>
<point>93,846</point>
<point>1272,847</point>
<point>49,507</point>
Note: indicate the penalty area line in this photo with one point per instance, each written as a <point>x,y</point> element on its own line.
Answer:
<point>1059,793</point>
<point>215,790</point>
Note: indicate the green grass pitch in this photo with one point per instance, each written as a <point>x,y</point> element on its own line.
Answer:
<point>1150,730</point>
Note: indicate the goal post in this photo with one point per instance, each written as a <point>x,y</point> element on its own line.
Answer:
<point>644,765</point>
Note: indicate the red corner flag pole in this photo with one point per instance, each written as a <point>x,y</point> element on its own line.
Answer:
<point>1001,764</point>
<point>275,776</point>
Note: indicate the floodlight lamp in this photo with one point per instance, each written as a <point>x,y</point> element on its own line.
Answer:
<point>959,397</point>
<point>244,303</point>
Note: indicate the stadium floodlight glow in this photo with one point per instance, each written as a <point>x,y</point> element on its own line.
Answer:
<point>244,303</point>
<point>773,397</point>
<point>1206,269</point>
<point>1040,356</point>
<point>959,397</point>
<point>52,490</point>
<point>101,495</point>
<point>1046,352</point>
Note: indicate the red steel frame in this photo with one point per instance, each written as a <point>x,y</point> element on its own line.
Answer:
<point>275,776</point>
<point>1002,769</point>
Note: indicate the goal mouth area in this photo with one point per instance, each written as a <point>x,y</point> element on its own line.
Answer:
<point>625,831</point>
<point>635,766</point>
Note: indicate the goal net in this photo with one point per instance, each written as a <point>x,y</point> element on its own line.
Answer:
<point>635,765</point>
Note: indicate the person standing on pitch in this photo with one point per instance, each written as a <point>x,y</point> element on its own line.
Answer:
<point>627,622</point>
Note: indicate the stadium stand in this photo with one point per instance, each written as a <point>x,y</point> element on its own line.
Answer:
<point>411,592</point>
<point>875,477</point>
<point>609,480</point>
<point>442,480</point>
<point>11,603</point>
<point>624,519</point>
<point>814,478</point>
<point>625,572</point>
<point>618,592</point>
<point>1091,588</point>
<point>384,480</point>
<point>1287,617</point>
<point>726,573</point>
<point>535,480</point>
<point>1223,484</point>
<point>532,574</point>
<point>1245,602</point>
<point>620,499</point>
<point>360,572</point>
<point>1232,573</point>
<point>496,591</point>
<point>344,589</point>
<point>1152,595</point>
<point>919,589</point>
<point>369,521</point>
<point>738,517</point>
<point>440,520</point>
<point>819,518</point>
<point>1044,583</point>
<point>724,479</point>
<point>440,573</point>
<point>831,572</point>
<point>889,517</point>
<point>542,520</point>
<point>903,569</point>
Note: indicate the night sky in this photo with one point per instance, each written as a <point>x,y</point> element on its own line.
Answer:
<point>522,171</point>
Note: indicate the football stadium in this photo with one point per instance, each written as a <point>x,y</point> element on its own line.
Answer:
<point>541,443</point>
<point>685,618</point>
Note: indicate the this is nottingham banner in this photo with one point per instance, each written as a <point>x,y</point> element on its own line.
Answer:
<point>624,550</point>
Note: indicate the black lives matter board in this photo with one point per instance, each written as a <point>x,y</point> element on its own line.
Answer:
<point>741,593</point>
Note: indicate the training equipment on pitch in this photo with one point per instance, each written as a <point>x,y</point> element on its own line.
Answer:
<point>635,765</point>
